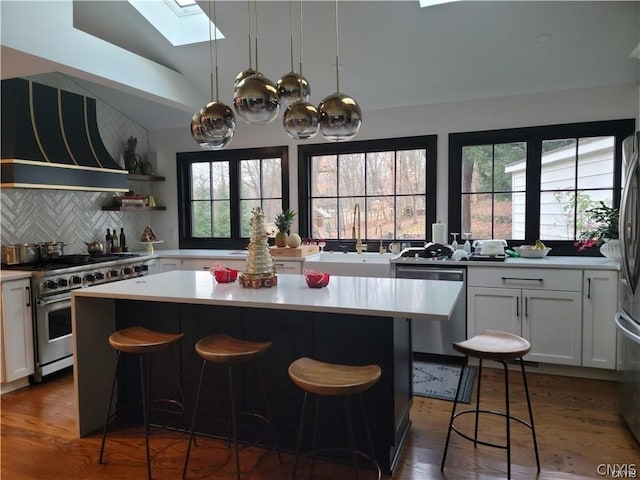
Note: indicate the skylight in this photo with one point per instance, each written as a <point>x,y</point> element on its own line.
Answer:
<point>430,3</point>
<point>182,22</point>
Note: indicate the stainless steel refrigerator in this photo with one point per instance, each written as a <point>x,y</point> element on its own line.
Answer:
<point>628,317</point>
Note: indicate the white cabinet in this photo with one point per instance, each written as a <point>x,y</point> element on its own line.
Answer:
<point>17,331</point>
<point>288,266</point>
<point>543,306</point>
<point>154,266</point>
<point>206,263</point>
<point>168,264</point>
<point>599,304</point>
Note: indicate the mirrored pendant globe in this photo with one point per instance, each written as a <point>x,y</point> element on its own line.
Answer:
<point>196,130</point>
<point>256,100</point>
<point>293,87</point>
<point>340,117</point>
<point>217,125</point>
<point>241,76</point>
<point>300,120</point>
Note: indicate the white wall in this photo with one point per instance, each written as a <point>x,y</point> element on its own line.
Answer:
<point>569,106</point>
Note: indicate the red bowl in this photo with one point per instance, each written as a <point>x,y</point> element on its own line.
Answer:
<point>225,276</point>
<point>316,279</point>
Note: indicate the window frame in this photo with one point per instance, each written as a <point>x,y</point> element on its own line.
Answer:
<point>305,152</point>
<point>184,160</point>
<point>533,138</point>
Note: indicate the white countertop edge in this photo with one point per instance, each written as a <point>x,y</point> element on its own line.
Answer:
<point>8,275</point>
<point>381,297</point>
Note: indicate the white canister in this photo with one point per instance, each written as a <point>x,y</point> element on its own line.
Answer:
<point>439,233</point>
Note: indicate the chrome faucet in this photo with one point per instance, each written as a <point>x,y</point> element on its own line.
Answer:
<point>359,246</point>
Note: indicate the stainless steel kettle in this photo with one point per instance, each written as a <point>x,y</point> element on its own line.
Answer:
<point>95,248</point>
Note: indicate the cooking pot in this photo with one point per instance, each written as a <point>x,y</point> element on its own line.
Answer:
<point>20,253</point>
<point>95,248</point>
<point>50,250</point>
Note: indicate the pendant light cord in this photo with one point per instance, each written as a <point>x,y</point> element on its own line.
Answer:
<point>249,29</point>
<point>255,9</point>
<point>291,31</point>
<point>337,64</point>
<point>211,50</point>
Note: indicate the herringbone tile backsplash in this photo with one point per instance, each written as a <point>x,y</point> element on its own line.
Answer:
<point>30,216</point>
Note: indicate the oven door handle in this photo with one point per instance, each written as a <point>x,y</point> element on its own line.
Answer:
<point>626,327</point>
<point>43,302</point>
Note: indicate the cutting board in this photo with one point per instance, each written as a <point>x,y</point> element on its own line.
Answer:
<point>301,251</point>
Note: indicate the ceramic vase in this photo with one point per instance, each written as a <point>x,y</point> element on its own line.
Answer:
<point>612,250</point>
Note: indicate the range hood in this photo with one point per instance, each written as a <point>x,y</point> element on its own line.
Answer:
<point>50,140</point>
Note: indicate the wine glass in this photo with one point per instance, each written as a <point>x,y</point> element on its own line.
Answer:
<point>454,244</point>
<point>322,244</point>
<point>467,243</point>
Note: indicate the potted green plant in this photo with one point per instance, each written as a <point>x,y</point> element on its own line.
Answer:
<point>283,223</point>
<point>604,232</point>
<point>131,158</point>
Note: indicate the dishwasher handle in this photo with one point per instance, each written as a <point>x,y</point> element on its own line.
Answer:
<point>453,274</point>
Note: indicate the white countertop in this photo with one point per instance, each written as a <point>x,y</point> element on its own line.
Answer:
<point>8,275</point>
<point>577,262</point>
<point>597,263</point>
<point>417,299</point>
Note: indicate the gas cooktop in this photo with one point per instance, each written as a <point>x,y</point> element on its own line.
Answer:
<point>67,261</point>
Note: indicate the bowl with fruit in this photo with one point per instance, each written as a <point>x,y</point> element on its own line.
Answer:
<point>538,250</point>
<point>316,279</point>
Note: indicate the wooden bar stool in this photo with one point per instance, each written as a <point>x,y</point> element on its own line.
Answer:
<point>229,351</point>
<point>143,342</point>
<point>499,347</point>
<point>327,379</point>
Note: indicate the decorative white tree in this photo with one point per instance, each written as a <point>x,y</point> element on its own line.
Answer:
<point>260,271</point>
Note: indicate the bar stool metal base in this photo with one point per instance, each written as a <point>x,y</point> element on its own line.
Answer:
<point>180,405</point>
<point>506,415</point>
<point>243,354</point>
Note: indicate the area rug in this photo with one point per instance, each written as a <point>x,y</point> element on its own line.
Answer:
<point>437,380</point>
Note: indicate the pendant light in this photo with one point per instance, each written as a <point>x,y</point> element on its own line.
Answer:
<point>213,126</point>
<point>340,114</point>
<point>292,86</point>
<point>249,71</point>
<point>301,119</point>
<point>256,97</point>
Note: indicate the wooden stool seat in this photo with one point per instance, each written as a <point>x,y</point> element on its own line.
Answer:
<point>332,379</point>
<point>494,345</point>
<point>222,348</point>
<point>141,340</point>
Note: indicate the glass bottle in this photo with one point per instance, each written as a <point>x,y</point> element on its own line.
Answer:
<point>123,240</point>
<point>115,242</point>
<point>108,241</point>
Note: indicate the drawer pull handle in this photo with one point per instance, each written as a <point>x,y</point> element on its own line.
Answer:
<point>507,279</point>
<point>518,307</point>
<point>589,288</point>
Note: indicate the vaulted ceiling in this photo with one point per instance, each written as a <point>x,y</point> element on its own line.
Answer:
<point>392,53</point>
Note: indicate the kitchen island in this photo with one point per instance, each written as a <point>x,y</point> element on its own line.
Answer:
<point>353,320</point>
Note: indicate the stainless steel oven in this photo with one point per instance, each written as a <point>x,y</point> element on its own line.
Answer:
<point>53,333</point>
<point>51,284</point>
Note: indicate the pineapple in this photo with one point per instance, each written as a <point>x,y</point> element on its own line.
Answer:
<point>283,222</point>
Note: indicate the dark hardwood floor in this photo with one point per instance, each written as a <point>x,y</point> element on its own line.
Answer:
<point>577,424</point>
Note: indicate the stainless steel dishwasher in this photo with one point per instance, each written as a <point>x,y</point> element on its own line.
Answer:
<point>434,337</point>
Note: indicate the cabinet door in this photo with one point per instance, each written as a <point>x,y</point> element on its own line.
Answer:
<point>599,305</point>
<point>17,330</point>
<point>197,263</point>
<point>283,266</point>
<point>552,322</point>
<point>493,309</point>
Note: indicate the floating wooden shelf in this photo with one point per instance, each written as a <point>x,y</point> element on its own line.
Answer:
<point>116,208</point>
<point>145,178</point>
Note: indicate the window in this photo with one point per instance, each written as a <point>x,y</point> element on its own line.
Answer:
<point>379,189</point>
<point>218,190</point>
<point>534,183</point>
